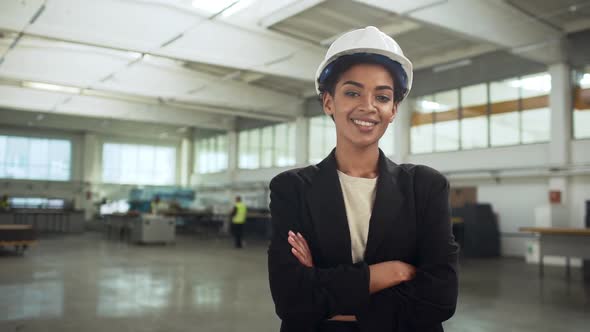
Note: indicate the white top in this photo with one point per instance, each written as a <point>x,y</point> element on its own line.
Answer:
<point>359,196</point>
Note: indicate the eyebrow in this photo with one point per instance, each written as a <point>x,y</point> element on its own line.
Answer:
<point>357,84</point>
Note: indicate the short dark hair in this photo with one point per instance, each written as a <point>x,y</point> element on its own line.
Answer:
<point>344,63</point>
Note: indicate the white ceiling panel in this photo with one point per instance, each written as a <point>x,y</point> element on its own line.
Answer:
<point>135,24</point>
<point>400,6</point>
<point>227,45</point>
<point>152,76</point>
<point>21,98</point>
<point>15,15</point>
<point>223,94</point>
<point>62,63</point>
<point>331,18</point>
<point>158,77</point>
<point>258,11</point>
<point>304,63</point>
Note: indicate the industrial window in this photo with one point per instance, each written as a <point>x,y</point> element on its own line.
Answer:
<point>474,116</point>
<point>435,123</point>
<point>267,145</point>
<point>446,121</point>
<point>138,164</point>
<point>505,117</point>
<point>284,144</point>
<point>211,154</point>
<point>271,146</point>
<point>535,115</point>
<point>35,158</point>
<point>509,112</point>
<point>322,137</point>
<point>249,149</point>
<point>422,130</point>
<point>581,116</point>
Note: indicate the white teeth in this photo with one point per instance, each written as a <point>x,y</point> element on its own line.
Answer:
<point>363,123</point>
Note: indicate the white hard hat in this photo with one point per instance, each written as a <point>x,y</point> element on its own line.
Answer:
<point>367,41</point>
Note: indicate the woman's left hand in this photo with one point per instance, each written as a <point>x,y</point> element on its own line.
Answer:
<point>300,249</point>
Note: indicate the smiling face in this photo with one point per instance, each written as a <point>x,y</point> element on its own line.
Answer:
<point>362,105</point>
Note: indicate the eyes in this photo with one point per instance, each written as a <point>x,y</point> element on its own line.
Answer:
<point>380,98</point>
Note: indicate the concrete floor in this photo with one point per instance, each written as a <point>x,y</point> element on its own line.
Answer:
<point>87,283</point>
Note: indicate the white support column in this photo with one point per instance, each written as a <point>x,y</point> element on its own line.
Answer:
<point>91,159</point>
<point>560,104</point>
<point>401,133</point>
<point>186,161</point>
<point>233,155</point>
<point>302,141</point>
<point>90,173</point>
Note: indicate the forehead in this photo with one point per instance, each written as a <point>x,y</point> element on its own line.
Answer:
<point>367,73</point>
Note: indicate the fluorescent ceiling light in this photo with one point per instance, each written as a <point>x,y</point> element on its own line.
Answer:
<point>237,7</point>
<point>213,7</point>
<point>585,81</point>
<point>452,65</point>
<point>535,83</point>
<point>50,87</point>
<point>430,106</point>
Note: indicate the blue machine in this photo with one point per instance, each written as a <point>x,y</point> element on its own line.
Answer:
<point>140,198</point>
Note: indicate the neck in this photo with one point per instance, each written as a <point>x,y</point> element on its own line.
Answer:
<point>358,162</point>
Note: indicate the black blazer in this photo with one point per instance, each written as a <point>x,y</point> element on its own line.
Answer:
<point>410,222</point>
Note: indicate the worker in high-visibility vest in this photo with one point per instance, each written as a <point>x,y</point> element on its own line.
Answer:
<point>238,216</point>
<point>4,203</point>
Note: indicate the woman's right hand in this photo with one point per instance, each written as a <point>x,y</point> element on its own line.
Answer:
<point>401,272</point>
<point>388,274</point>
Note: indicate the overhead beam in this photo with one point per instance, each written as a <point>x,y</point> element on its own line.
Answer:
<point>147,100</point>
<point>492,21</point>
<point>15,119</point>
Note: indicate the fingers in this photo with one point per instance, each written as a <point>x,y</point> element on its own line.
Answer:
<point>300,257</point>
<point>300,249</point>
<point>303,242</point>
<point>296,243</point>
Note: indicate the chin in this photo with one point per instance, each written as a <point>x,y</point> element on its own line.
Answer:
<point>364,143</point>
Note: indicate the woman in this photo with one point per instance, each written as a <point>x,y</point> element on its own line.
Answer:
<point>361,243</point>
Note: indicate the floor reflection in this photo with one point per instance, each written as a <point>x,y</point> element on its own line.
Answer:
<point>124,292</point>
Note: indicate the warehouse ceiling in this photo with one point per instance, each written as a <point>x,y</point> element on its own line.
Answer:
<point>207,63</point>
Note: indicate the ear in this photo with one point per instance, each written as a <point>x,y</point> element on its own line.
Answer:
<point>393,113</point>
<point>328,103</point>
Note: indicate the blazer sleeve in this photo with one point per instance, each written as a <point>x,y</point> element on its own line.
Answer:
<point>307,295</point>
<point>431,297</point>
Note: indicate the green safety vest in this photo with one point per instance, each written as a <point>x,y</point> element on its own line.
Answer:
<point>241,211</point>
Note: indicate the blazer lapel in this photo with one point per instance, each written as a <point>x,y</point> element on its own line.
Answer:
<point>328,213</point>
<point>386,209</point>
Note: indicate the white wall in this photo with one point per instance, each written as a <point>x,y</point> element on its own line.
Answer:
<point>580,193</point>
<point>580,151</point>
<point>521,156</point>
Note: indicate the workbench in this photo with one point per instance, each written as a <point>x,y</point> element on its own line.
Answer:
<point>566,242</point>
<point>18,236</point>
<point>45,220</point>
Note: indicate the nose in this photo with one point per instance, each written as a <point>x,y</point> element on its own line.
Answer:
<point>367,103</point>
